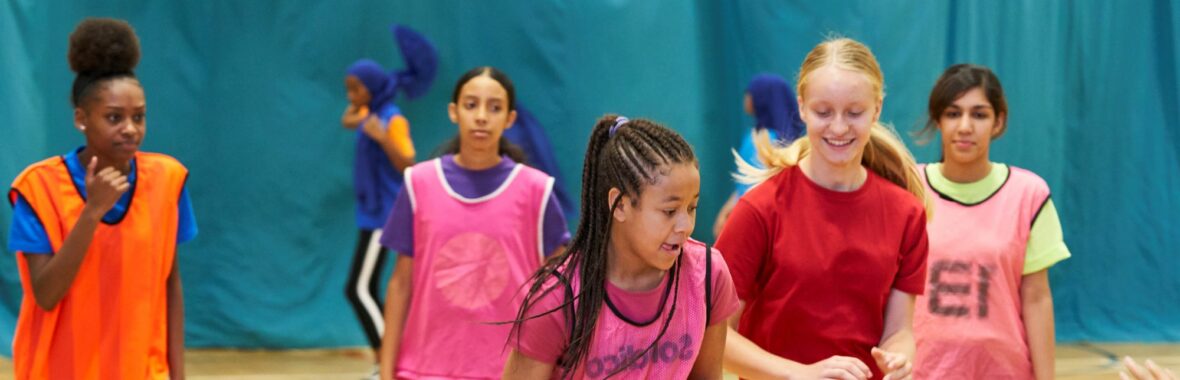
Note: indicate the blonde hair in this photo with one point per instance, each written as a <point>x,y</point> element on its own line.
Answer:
<point>884,154</point>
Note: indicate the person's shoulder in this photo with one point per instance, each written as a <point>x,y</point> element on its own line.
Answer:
<point>429,164</point>
<point>555,288</point>
<point>764,193</point>
<point>161,167</point>
<point>894,195</point>
<point>533,172</point>
<point>536,177</point>
<point>695,250</point>
<point>1027,178</point>
<point>764,200</point>
<point>416,171</point>
<point>43,166</point>
<point>153,161</point>
<point>157,157</point>
<point>388,110</point>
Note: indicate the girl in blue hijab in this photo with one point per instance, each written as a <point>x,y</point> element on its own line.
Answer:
<point>383,150</point>
<point>774,106</point>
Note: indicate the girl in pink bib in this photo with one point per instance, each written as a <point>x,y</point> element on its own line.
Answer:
<point>987,312</point>
<point>634,297</point>
<point>469,229</point>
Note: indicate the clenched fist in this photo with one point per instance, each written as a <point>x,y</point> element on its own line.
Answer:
<point>104,188</point>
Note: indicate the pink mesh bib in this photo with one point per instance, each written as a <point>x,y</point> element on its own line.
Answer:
<point>470,257</point>
<point>968,324</point>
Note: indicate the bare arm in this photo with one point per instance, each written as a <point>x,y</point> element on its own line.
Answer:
<point>523,367</point>
<point>708,364</point>
<point>749,361</point>
<point>397,304</point>
<point>894,354</point>
<point>1037,313</point>
<point>175,323</point>
<point>52,275</point>
<point>400,154</point>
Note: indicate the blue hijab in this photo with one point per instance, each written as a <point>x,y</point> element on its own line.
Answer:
<point>775,106</point>
<point>421,60</point>
<point>375,179</point>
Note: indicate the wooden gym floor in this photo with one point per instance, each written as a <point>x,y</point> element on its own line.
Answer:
<point>1074,362</point>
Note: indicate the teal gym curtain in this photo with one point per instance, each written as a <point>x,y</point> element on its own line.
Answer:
<point>248,96</point>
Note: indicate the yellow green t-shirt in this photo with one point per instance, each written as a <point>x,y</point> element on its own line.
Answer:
<point>1045,247</point>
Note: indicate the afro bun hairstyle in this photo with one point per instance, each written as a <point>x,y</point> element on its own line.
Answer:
<point>101,49</point>
<point>103,46</point>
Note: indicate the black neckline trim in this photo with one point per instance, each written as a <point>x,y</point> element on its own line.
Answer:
<point>926,173</point>
<point>674,277</point>
<point>708,285</point>
<point>571,322</point>
<point>1039,209</point>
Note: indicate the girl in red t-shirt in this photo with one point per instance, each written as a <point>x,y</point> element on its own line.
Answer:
<point>828,250</point>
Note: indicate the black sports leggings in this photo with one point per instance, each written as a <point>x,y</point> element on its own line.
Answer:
<point>363,281</point>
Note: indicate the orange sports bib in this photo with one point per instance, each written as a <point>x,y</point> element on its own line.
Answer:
<point>112,323</point>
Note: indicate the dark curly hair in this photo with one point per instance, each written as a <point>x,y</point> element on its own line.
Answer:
<point>101,49</point>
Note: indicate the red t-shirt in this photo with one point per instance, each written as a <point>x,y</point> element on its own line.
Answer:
<point>815,266</point>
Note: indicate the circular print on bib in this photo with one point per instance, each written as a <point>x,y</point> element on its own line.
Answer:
<point>471,270</point>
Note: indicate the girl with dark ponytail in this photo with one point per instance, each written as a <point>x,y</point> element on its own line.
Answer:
<point>503,146</point>
<point>633,296</point>
<point>469,228</point>
<point>96,230</point>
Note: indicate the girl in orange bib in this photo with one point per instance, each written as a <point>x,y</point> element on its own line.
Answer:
<point>96,229</point>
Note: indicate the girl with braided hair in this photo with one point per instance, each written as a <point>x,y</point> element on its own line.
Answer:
<point>633,296</point>
<point>96,230</point>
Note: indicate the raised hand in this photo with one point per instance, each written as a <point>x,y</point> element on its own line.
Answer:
<point>354,115</point>
<point>104,188</point>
